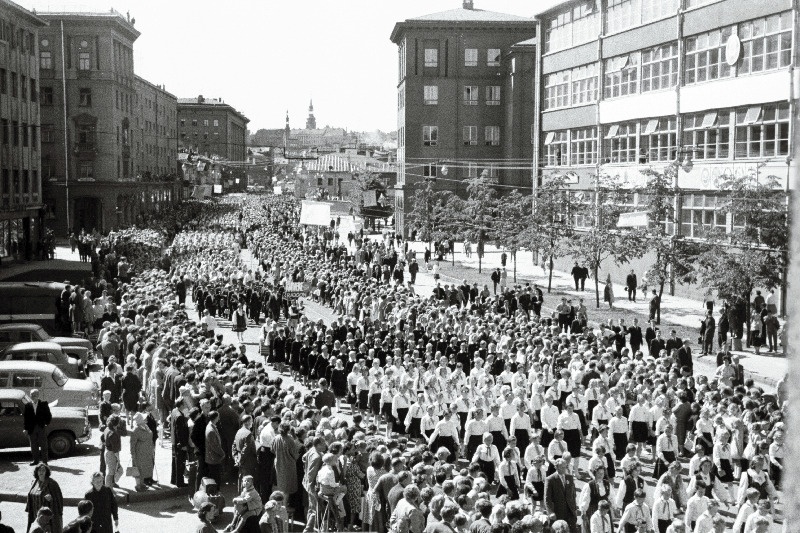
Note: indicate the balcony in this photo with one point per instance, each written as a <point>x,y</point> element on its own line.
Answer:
<point>85,150</point>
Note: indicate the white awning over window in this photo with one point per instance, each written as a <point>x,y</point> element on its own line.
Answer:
<point>549,139</point>
<point>612,131</point>
<point>709,119</point>
<point>652,126</point>
<point>752,115</point>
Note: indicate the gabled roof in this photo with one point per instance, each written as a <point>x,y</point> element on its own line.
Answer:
<point>470,15</point>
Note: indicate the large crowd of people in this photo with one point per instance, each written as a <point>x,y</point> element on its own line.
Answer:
<point>450,411</point>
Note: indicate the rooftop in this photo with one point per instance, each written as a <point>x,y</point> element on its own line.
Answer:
<point>124,21</point>
<point>21,11</point>
<point>201,101</point>
<point>469,15</point>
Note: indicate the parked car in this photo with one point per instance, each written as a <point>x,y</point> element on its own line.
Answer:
<point>47,352</point>
<point>53,384</point>
<point>70,425</point>
<point>17,332</point>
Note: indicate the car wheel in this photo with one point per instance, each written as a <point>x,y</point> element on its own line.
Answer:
<point>61,443</point>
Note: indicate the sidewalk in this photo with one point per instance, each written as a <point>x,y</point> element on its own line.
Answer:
<point>73,474</point>
<point>64,261</point>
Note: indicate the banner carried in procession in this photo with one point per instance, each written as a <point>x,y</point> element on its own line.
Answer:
<point>315,213</point>
<point>297,288</point>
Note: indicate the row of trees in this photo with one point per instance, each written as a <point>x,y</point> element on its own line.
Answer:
<point>729,261</point>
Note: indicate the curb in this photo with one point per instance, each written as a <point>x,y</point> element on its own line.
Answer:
<point>123,498</point>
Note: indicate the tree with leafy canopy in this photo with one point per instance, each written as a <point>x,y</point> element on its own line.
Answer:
<point>603,241</point>
<point>551,223</point>
<point>752,253</point>
<point>472,219</point>
<point>511,222</point>
<point>675,258</point>
<point>428,212</point>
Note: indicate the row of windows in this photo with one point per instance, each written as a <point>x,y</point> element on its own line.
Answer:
<point>18,86</point>
<point>754,132</point>
<point>18,134</point>
<point>471,95</point>
<point>23,181</point>
<point>469,169</point>
<point>17,37</point>
<point>765,45</point>
<point>491,135</point>
<point>215,122</point>
<point>471,56</point>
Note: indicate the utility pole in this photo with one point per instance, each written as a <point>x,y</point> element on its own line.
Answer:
<point>66,131</point>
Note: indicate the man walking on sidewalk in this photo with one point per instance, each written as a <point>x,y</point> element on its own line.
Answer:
<point>631,283</point>
<point>495,279</point>
<point>413,269</point>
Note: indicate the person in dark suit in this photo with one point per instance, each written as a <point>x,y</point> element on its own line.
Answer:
<point>179,423</point>
<point>631,284</point>
<point>244,450</point>
<point>674,342</point>
<point>685,357</point>
<point>560,496</point>
<point>35,418</point>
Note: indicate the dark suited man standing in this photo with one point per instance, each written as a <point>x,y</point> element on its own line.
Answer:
<point>685,357</point>
<point>631,283</point>
<point>179,422</point>
<point>560,496</point>
<point>36,417</point>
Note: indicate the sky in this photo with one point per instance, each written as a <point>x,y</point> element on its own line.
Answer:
<point>265,57</point>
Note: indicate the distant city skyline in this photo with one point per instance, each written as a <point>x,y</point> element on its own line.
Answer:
<point>265,58</point>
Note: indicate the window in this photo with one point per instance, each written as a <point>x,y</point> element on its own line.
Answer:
<point>657,9</point>
<point>26,380</point>
<point>762,131</point>
<point>14,88</point>
<point>431,94</point>
<point>583,146</point>
<point>620,143</point>
<point>85,135</point>
<point>470,95</point>
<point>470,135</point>
<point>660,67</point>
<point>555,144</point>
<point>556,90</point>
<point>430,135</point>
<point>5,134</point>
<point>699,214</point>
<point>429,170</point>
<point>705,56</point>
<point>493,95</point>
<point>470,57</point>
<point>46,96</point>
<point>15,133</point>
<point>766,43</point>
<point>25,134</point>
<point>84,61</point>
<point>85,95</point>
<point>32,94</point>
<point>708,133</point>
<point>45,60</point>
<point>584,84</point>
<point>492,135</point>
<point>493,57</point>
<point>621,14</point>
<point>658,140</point>
<point>194,122</point>
<point>216,123</point>
<point>571,26</point>
<point>3,81</point>
<point>48,134</point>
<point>621,73</point>
<point>431,57</point>
<point>23,86</point>
<point>183,122</point>
<point>86,170</point>
<point>205,123</point>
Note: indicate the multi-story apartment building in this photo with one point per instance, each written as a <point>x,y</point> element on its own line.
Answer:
<point>89,104</point>
<point>154,138</point>
<point>631,84</point>
<point>20,168</point>
<point>453,91</point>
<point>212,128</point>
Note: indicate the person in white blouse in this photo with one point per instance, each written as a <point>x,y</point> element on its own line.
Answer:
<point>640,421</point>
<point>664,510</point>
<point>429,421</point>
<point>600,521</point>
<point>666,452</point>
<point>487,457</point>
<point>533,450</point>
<point>749,507</point>
<point>549,417</point>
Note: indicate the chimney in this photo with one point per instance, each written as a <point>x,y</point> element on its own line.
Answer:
<point>468,4</point>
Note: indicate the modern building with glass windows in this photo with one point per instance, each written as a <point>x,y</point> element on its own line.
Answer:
<point>631,84</point>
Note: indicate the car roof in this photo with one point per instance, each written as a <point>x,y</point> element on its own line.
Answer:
<point>11,394</point>
<point>36,345</point>
<point>39,366</point>
<point>19,326</point>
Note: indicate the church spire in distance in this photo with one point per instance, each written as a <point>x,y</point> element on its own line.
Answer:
<point>311,122</point>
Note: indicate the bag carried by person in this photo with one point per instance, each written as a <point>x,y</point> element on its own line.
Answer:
<point>132,471</point>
